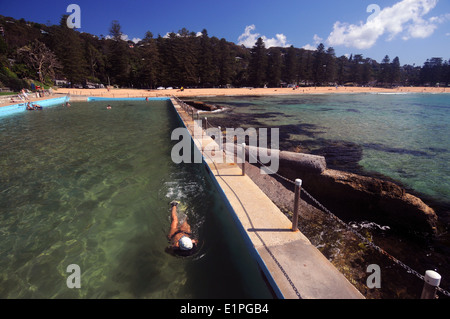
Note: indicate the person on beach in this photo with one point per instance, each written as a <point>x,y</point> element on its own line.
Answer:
<point>180,235</point>
<point>24,94</point>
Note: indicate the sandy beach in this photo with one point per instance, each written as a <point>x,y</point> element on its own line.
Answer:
<point>242,91</point>
<point>124,93</point>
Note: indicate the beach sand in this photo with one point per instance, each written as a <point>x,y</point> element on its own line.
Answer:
<point>243,91</point>
<point>80,94</point>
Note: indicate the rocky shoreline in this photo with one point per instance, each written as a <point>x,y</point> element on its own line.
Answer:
<point>361,197</point>
<point>346,251</point>
<point>357,197</point>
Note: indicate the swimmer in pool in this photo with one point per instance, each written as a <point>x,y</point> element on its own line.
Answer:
<point>108,107</point>
<point>180,235</point>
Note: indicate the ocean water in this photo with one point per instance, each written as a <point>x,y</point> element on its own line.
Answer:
<point>401,137</point>
<point>88,186</point>
<point>405,137</point>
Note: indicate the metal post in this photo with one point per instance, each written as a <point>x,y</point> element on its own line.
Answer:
<point>298,189</point>
<point>206,123</point>
<point>243,159</point>
<point>432,281</point>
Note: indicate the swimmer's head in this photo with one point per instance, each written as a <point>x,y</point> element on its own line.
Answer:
<point>185,243</point>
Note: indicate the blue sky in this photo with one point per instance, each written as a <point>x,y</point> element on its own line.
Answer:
<point>413,30</point>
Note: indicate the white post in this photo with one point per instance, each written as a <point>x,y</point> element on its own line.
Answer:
<point>432,281</point>
<point>243,159</point>
<point>298,188</point>
<point>220,141</point>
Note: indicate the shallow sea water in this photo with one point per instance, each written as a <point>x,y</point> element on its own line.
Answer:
<point>405,137</point>
<point>89,186</point>
<point>401,137</point>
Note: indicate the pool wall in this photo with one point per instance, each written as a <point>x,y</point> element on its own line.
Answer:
<point>21,107</point>
<point>89,99</point>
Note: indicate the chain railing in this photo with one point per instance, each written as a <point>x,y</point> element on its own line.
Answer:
<point>351,229</point>
<point>191,111</point>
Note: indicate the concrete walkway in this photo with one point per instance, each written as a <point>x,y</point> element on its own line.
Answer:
<point>293,266</point>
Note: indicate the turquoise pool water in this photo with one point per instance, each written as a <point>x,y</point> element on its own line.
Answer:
<point>89,186</point>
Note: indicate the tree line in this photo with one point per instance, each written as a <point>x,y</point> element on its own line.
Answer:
<point>47,52</point>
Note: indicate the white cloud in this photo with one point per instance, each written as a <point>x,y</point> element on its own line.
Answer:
<point>280,40</point>
<point>248,38</point>
<point>405,18</point>
<point>125,37</point>
<point>167,35</point>
<point>313,47</point>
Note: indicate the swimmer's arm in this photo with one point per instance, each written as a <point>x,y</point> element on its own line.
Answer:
<point>174,224</point>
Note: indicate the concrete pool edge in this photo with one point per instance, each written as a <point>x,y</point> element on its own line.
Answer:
<point>292,265</point>
<point>21,107</point>
<point>248,242</point>
<point>94,98</point>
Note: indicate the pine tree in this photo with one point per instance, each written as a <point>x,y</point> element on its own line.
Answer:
<point>319,65</point>
<point>149,61</point>
<point>357,69</point>
<point>258,64</point>
<point>226,62</point>
<point>446,73</point>
<point>366,72</point>
<point>385,70</point>
<point>290,73</point>
<point>394,75</point>
<point>68,48</point>
<point>274,67</point>
<point>118,58</point>
<point>185,55</point>
<point>341,75</point>
<point>205,61</point>
<point>330,69</point>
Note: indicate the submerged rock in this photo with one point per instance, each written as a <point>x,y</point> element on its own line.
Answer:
<point>202,106</point>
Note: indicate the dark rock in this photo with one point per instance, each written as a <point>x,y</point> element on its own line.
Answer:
<point>202,106</point>
<point>362,197</point>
